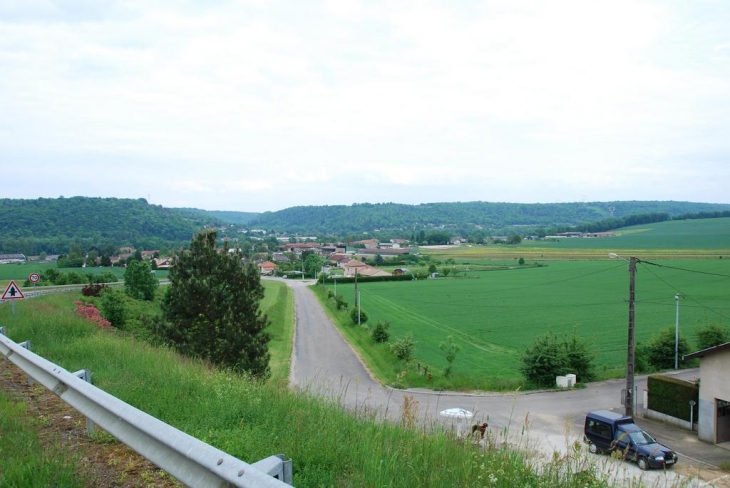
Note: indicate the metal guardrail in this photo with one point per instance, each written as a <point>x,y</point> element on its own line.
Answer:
<point>190,460</point>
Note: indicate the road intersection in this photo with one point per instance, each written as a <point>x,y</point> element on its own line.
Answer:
<point>549,421</point>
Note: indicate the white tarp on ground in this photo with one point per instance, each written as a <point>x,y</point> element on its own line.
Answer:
<point>459,418</point>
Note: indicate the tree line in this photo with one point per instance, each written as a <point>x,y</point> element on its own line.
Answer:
<point>50,225</point>
<point>53,226</point>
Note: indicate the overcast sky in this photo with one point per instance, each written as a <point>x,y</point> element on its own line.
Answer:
<point>264,105</point>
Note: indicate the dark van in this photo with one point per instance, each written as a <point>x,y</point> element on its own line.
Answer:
<point>607,431</point>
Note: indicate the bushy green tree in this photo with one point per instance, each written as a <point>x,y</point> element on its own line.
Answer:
<point>211,309</point>
<point>712,335</point>
<point>550,356</point>
<point>139,281</point>
<point>313,264</point>
<point>104,277</point>
<point>660,348</point>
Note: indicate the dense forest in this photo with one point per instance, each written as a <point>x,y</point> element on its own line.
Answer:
<point>53,225</point>
<point>492,218</point>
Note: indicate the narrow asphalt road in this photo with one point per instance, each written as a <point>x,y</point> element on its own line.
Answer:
<point>549,420</point>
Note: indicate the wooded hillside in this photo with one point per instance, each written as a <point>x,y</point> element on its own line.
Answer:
<point>50,224</point>
<point>493,217</point>
<point>47,224</point>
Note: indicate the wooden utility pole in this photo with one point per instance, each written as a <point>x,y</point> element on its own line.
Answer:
<point>630,350</point>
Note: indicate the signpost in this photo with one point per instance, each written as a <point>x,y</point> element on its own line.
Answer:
<point>12,293</point>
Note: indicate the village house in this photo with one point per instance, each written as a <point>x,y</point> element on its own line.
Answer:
<point>12,258</point>
<point>714,399</point>
<point>353,267</point>
<point>279,258</point>
<point>266,268</point>
<point>162,263</point>
<point>367,243</point>
<point>298,248</point>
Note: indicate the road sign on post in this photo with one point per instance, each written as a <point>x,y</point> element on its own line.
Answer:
<point>12,292</point>
<point>34,278</point>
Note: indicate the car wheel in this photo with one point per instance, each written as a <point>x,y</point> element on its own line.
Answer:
<point>643,463</point>
<point>593,448</point>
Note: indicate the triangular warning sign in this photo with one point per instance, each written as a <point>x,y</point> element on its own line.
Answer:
<point>12,292</point>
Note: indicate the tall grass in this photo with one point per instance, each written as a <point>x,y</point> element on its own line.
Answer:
<point>278,304</point>
<point>23,461</point>
<point>253,420</point>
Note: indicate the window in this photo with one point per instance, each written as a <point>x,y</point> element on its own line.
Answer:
<point>601,429</point>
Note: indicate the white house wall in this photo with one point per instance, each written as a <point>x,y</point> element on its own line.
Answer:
<point>713,384</point>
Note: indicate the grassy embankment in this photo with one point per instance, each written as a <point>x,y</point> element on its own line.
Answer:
<point>252,420</point>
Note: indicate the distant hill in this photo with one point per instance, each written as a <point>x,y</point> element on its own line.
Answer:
<point>47,224</point>
<point>492,217</point>
<point>50,224</point>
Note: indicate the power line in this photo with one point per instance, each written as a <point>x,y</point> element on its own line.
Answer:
<point>684,269</point>
<point>683,294</point>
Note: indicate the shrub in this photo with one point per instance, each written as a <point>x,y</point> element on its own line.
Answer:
<point>711,335</point>
<point>380,331</point>
<point>113,307</point>
<point>549,357</point>
<point>358,315</point>
<point>660,348</point>
<point>340,302</point>
<point>93,290</point>
<point>403,348</point>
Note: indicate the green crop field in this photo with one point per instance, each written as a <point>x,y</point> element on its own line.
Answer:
<point>681,239</point>
<point>495,315</point>
<point>495,308</point>
<point>20,272</point>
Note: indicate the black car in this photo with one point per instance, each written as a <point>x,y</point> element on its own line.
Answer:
<point>607,431</point>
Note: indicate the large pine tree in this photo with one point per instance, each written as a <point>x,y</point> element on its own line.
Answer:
<point>211,308</point>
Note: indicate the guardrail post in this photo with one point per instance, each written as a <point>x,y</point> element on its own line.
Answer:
<point>85,375</point>
<point>2,331</point>
<point>276,466</point>
<point>26,345</point>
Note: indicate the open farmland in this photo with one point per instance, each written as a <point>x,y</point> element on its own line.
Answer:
<point>679,239</point>
<point>495,315</point>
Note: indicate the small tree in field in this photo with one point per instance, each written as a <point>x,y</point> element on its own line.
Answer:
<point>211,308</point>
<point>450,349</point>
